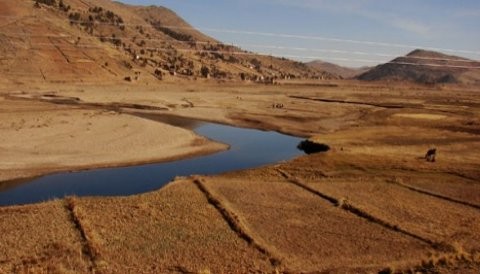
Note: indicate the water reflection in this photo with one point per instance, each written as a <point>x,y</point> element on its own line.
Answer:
<point>249,148</point>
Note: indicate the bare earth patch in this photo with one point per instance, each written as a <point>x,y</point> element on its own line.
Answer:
<point>38,138</point>
<point>370,203</point>
<point>423,116</point>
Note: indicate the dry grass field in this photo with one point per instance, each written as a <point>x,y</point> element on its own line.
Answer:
<point>82,88</point>
<point>370,204</point>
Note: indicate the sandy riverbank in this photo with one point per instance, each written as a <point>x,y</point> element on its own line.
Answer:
<point>371,203</point>
<point>39,138</point>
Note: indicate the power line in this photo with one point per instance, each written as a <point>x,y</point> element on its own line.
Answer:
<point>289,56</point>
<point>275,47</point>
<point>335,51</point>
<point>292,36</point>
<point>390,62</point>
<point>361,53</point>
<point>322,38</point>
<point>51,46</point>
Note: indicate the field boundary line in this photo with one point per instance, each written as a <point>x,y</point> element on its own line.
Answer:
<point>386,106</point>
<point>89,248</point>
<point>345,205</point>
<point>235,223</point>
<point>433,194</point>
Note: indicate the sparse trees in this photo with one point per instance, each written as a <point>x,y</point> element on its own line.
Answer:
<point>46,2</point>
<point>243,76</point>
<point>63,7</point>
<point>232,59</point>
<point>127,65</point>
<point>175,35</point>
<point>158,74</point>
<point>431,154</point>
<point>256,63</point>
<point>75,17</point>
<point>116,41</point>
<point>205,71</point>
<point>110,15</point>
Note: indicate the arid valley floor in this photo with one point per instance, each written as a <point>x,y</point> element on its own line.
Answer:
<point>371,203</point>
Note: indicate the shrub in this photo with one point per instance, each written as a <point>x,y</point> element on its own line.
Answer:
<point>74,16</point>
<point>46,2</point>
<point>205,71</point>
<point>63,7</point>
<point>96,9</point>
<point>127,65</point>
<point>232,59</point>
<point>175,35</point>
<point>256,63</point>
<point>110,15</point>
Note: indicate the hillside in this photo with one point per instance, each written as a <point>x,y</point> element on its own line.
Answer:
<point>100,40</point>
<point>427,67</point>
<point>344,72</point>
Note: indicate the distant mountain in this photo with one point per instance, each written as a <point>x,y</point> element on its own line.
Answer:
<point>343,72</point>
<point>426,67</point>
<point>98,40</point>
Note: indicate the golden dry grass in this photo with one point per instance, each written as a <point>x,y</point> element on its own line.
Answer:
<point>40,239</point>
<point>379,224</point>
<point>175,229</point>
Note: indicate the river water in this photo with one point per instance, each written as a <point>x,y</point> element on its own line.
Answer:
<point>249,148</point>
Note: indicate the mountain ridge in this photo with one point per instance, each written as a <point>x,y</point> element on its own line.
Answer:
<point>342,71</point>
<point>426,67</point>
<point>77,40</point>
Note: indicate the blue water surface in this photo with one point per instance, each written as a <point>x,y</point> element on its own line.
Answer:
<point>248,148</point>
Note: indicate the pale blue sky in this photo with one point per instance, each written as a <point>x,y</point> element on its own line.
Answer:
<point>441,24</point>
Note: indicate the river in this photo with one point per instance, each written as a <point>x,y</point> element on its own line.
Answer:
<point>249,148</point>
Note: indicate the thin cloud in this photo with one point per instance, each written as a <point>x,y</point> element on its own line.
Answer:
<point>468,13</point>
<point>411,26</point>
<point>329,5</point>
<point>363,8</point>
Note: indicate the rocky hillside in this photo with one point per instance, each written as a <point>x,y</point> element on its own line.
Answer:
<point>427,67</point>
<point>343,72</point>
<point>90,40</point>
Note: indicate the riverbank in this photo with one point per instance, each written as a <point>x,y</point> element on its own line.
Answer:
<point>40,138</point>
<point>248,148</point>
<point>370,203</point>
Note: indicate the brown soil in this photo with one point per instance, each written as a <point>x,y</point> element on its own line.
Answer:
<point>39,138</point>
<point>370,203</point>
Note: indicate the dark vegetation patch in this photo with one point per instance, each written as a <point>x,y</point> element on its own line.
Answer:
<point>175,35</point>
<point>310,147</point>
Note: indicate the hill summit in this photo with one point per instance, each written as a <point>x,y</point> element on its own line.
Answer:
<point>98,40</point>
<point>426,67</point>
